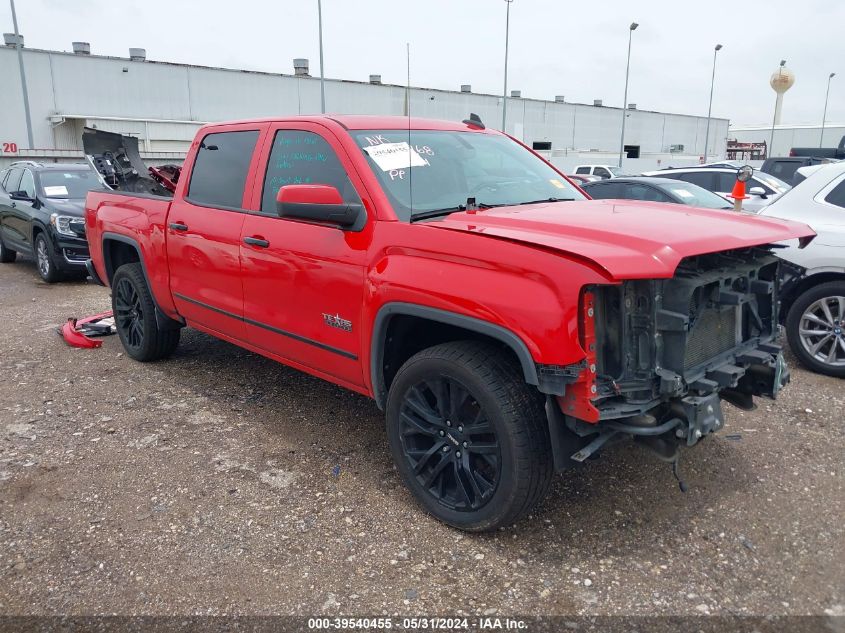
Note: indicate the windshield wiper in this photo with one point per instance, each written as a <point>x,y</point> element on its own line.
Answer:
<point>548,200</point>
<point>436,213</point>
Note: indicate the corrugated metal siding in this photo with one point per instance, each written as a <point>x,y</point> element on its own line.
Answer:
<point>90,86</point>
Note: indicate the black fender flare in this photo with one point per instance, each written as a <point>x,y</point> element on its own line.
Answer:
<point>162,320</point>
<point>497,332</point>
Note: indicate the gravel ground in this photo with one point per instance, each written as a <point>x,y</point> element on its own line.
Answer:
<point>221,482</point>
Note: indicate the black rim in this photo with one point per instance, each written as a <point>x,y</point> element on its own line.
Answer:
<point>450,444</point>
<point>128,315</point>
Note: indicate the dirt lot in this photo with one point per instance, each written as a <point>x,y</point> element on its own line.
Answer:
<point>221,482</point>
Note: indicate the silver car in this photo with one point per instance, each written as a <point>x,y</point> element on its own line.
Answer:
<point>813,293</point>
<point>762,189</point>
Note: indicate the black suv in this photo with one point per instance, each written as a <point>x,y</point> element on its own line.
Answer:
<point>41,214</point>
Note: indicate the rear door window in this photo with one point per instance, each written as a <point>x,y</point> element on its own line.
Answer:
<point>606,191</point>
<point>220,169</point>
<point>701,178</point>
<point>648,193</point>
<point>726,182</point>
<point>582,170</point>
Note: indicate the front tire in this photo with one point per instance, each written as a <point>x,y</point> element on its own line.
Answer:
<point>468,436</point>
<point>134,316</point>
<point>815,328</point>
<point>44,260</point>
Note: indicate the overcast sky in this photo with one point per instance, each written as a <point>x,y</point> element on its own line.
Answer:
<point>576,49</point>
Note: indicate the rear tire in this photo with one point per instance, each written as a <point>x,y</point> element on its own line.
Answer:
<point>135,318</point>
<point>468,436</point>
<point>7,255</point>
<point>815,328</point>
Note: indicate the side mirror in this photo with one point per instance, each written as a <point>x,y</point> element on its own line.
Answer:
<point>744,173</point>
<point>317,203</point>
<point>20,195</point>
<point>757,191</point>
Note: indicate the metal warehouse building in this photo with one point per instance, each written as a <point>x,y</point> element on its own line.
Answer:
<point>163,104</point>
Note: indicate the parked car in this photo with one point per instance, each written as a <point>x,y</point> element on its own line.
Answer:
<point>581,179</point>
<point>507,325</point>
<point>602,171</point>
<point>655,190</point>
<point>814,284</point>
<point>821,152</point>
<point>41,209</point>
<point>762,189</point>
<point>785,167</point>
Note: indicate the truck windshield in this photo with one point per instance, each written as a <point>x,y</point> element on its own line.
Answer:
<point>68,184</point>
<point>442,170</point>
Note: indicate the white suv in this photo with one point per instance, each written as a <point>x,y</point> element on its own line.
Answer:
<point>813,291</point>
<point>602,171</point>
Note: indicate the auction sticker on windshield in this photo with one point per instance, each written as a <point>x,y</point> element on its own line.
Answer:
<point>57,190</point>
<point>390,156</point>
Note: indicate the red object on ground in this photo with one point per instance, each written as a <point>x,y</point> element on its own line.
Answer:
<point>72,333</point>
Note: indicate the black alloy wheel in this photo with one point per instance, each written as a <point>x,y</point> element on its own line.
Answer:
<point>468,436</point>
<point>450,444</point>
<point>129,314</point>
<point>135,316</point>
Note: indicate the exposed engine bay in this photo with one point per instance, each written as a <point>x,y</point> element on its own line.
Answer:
<point>117,159</point>
<point>668,351</point>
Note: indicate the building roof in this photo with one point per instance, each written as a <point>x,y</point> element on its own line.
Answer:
<point>311,78</point>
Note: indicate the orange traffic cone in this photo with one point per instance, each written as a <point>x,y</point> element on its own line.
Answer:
<point>738,194</point>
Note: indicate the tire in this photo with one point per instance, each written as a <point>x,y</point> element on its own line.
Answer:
<point>815,328</point>
<point>44,261</point>
<point>134,314</point>
<point>482,463</point>
<point>7,255</point>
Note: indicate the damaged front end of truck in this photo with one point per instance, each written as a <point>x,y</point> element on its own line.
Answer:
<point>662,355</point>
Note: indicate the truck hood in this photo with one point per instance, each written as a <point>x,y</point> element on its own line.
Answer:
<point>628,239</point>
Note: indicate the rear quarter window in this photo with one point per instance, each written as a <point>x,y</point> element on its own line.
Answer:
<point>220,169</point>
<point>837,195</point>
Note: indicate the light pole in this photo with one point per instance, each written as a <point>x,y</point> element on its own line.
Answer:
<point>710,107</point>
<point>23,77</point>
<point>631,30</point>
<point>824,116</point>
<point>322,79</point>
<point>505,90</point>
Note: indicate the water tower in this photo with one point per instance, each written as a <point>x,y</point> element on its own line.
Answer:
<point>781,81</point>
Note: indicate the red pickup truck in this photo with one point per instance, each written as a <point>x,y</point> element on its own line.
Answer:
<point>506,324</point>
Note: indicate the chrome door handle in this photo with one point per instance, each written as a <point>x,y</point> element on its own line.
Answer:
<point>178,226</point>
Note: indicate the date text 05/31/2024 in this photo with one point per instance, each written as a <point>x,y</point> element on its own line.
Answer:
<point>418,623</point>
